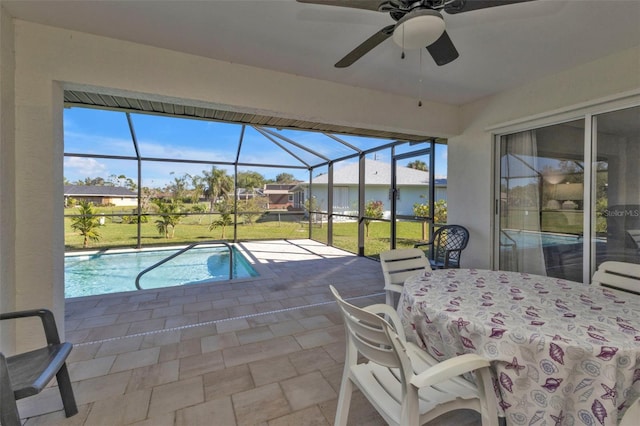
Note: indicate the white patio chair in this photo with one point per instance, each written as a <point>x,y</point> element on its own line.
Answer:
<point>619,276</point>
<point>397,266</point>
<point>403,383</point>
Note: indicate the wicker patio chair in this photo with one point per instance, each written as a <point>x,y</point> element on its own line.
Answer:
<point>444,250</point>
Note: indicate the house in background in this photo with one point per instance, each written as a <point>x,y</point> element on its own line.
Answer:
<point>280,196</point>
<point>101,195</point>
<point>412,185</point>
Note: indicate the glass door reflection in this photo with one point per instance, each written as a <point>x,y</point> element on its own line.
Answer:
<point>616,216</point>
<point>542,201</point>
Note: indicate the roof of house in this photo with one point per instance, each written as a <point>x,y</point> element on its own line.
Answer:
<point>377,173</point>
<point>277,188</point>
<point>98,191</point>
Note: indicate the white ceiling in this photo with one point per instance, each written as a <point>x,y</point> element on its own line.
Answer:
<point>499,47</point>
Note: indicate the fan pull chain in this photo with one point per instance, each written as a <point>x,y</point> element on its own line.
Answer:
<point>402,56</point>
<point>420,82</point>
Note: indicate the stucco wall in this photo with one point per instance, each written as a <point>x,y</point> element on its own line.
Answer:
<point>470,154</point>
<point>7,187</point>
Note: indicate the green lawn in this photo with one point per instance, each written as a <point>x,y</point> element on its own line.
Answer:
<point>115,233</point>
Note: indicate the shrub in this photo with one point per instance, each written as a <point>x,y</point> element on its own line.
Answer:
<point>134,219</point>
<point>372,210</point>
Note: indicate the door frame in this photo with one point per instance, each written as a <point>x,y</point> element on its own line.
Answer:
<point>393,192</point>
<point>586,112</point>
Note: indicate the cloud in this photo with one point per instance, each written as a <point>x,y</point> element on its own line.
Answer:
<point>153,149</point>
<point>96,144</point>
<point>89,167</point>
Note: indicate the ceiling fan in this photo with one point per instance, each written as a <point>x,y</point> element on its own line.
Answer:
<point>418,23</point>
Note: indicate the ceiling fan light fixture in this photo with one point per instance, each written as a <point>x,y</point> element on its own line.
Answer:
<point>418,28</point>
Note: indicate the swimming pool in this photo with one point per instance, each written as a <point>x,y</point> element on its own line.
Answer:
<point>530,239</point>
<point>103,273</point>
<point>562,254</point>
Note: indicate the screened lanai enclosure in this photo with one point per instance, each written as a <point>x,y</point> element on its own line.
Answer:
<point>143,173</point>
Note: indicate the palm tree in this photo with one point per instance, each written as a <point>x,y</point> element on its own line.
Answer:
<point>169,218</point>
<point>218,184</point>
<point>86,224</point>
<point>225,208</point>
<point>198,188</point>
<point>198,208</point>
<point>178,187</point>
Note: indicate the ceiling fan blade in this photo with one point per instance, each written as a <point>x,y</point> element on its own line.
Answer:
<point>442,50</point>
<point>357,4</point>
<point>459,6</point>
<point>365,47</point>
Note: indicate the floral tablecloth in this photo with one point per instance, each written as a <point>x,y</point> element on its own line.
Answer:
<point>563,353</point>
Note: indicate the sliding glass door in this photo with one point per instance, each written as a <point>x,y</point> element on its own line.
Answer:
<point>616,180</point>
<point>551,191</point>
<point>541,201</point>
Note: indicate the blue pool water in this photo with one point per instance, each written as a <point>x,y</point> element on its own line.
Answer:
<point>100,273</point>
<point>529,239</point>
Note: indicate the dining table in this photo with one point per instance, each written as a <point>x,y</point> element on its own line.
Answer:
<point>561,352</point>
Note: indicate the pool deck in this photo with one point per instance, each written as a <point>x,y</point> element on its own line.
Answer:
<point>263,351</point>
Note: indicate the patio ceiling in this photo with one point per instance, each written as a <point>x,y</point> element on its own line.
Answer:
<point>500,48</point>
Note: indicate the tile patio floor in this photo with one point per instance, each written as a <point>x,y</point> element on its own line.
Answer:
<point>265,351</point>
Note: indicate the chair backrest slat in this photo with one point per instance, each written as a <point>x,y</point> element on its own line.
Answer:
<point>382,354</point>
<point>400,277</point>
<point>400,264</point>
<point>366,331</point>
<point>619,275</point>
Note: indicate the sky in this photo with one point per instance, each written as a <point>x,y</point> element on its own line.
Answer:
<point>103,132</point>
